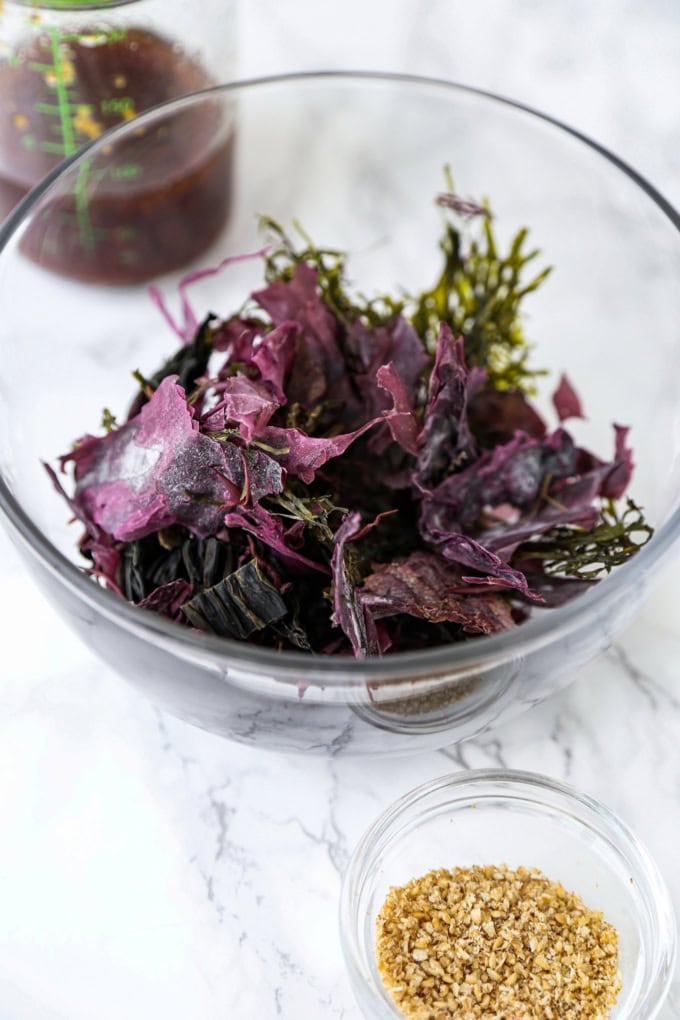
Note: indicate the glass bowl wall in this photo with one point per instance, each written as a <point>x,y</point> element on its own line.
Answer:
<point>357,160</point>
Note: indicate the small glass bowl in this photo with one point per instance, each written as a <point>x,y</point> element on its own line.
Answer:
<point>494,816</point>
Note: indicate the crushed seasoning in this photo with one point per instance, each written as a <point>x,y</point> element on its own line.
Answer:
<point>489,941</point>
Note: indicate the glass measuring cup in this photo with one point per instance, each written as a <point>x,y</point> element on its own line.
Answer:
<point>70,70</point>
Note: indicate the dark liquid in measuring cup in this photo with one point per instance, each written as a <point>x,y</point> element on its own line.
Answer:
<point>137,207</point>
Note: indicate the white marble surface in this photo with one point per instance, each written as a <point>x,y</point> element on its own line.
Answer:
<point>148,869</point>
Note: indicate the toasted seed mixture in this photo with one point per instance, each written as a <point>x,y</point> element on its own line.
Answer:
<point>491,942</point>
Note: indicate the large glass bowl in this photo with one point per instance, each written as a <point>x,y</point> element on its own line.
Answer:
<point>357,159</point>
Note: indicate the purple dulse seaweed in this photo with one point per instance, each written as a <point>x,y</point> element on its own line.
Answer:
<point>349,476</point>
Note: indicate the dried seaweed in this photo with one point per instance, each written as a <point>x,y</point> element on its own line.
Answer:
<point>339,474</point>
<point>567,551</point>
<point>238,605</point>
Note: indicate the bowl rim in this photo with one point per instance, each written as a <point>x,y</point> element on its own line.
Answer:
<point>610,827</point>
<point>532,635</point>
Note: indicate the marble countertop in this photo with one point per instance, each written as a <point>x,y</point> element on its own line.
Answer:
<point>148,869</point>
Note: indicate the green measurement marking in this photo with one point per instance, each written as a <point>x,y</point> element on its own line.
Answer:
<point>98,175</point>
<point>62,95</point>
<point>126,171</point>
<point>118,105</point>
<point>53,108</point>
<point>63,108</point>
<point>87,233</point>
<point>33,65</point>
<point>58,148</point>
